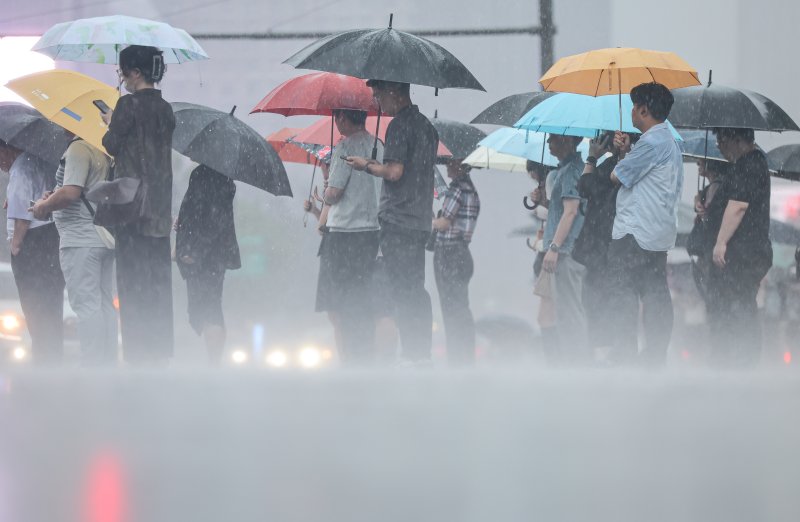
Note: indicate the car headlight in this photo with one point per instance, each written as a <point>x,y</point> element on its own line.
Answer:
<point>19,354</point>
<point>277,358</point>
<point>239,357</point>
<point>310,357</point>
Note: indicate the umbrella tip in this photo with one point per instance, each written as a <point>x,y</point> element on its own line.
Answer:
<point>391,16</point>
<point>233,110</point>
<point>709,77</point>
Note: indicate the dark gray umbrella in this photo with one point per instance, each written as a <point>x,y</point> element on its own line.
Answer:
<point>703,107</point>
<point>700,144</point>
<point>386,54</point>
<point>510,109</point>
<point>224,143</point>
<point>26,129</point>
<point>785,161</point>
<point>459,138</point>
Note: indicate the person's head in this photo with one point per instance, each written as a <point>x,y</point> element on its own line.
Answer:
<point>391,96</point>
<point>651,105</point>
<point>140,67</point>
<point>734,143</point>
<point>456,169</point>
<point>349,121</point>
<point>563,147</point>
<point>536,171</point>
<point>8,155</point>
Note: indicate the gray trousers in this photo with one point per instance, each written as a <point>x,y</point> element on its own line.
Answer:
<point>89,272</point>
<point>570,317</point>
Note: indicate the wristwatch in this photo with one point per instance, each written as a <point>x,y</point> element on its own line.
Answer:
<point>591,160</point>
<point>554,248</point>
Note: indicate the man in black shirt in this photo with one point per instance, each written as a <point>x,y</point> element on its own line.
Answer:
<point>406,211</point>
<point>738,221</point>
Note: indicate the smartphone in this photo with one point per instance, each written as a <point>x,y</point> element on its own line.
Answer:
<point>101,106</point>
<point>344,157</point>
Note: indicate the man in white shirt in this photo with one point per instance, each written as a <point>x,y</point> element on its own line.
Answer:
<point>350,246</point>
<point>34,253</point>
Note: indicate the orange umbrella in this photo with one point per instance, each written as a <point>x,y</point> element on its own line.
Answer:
<point>289,152</point>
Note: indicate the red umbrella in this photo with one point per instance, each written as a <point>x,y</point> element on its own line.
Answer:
<point>318,94</point>
<point>319,133</point>
<point>289,152</point>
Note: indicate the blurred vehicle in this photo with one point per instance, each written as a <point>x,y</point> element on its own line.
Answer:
<point>312,351</point>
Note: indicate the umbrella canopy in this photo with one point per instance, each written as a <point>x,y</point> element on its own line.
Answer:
<point>226,144</point>
<point>26,129</point>
<point>100,39</point>
<point>580,115</point>
<point>785,160</point>
<point>526,145</point>
<point>711,106</point>
<point>386,54</point>
<point>486,158</point>
<point>700,144</point>
<point>510,109</point>
<point>287,151</point>
<point>65,98</point>
<point>319,133</point>
<point>320,94</point>
<point>460,138</point>
<point>617,71</point>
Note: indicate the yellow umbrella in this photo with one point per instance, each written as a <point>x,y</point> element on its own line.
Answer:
<point>65,98</point>
<point>617,71</point>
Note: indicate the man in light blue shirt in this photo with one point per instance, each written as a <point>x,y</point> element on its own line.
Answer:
<point>645,228</point>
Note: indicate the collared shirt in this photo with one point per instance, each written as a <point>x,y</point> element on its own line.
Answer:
<point>461,206</point>
<point>412,140</point>
<point>28,178</point>
<point>651,175</point>
<point>357,209</point>
<point>565,186</point>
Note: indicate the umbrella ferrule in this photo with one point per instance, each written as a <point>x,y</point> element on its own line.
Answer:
<point>391,16</point>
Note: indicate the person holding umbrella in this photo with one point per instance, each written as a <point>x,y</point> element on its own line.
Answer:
<point>139,138</point>
<point>406,211</point>
<point>738,240</point>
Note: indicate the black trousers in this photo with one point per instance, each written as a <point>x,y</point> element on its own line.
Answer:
<point>453,268</point>
<point>732,311</point>
<point>144,284</point>
<point>404,259</point>
<point>639,276</point>
<point>350,259</point>
<point>599,317</point>
<point>40,284</point>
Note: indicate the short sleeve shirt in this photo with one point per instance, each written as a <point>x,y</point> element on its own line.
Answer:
<point>28,178</point>
<point>82,166</point>
<point>411,140</point>
<point>747,181</point>
<point>565,186</point>
<point>357,210</point>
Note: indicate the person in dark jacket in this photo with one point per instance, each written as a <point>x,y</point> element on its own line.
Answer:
<point>139,138</point>
<point>205,247</point>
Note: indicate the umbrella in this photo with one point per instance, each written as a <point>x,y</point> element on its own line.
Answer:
<point>580,115</point>
<point>460,138</point>
<point>386,54</point>
<point>531,146</point>
<point>699,144</point>
<point>486,158</point>
<point>318,134</point>
<point>26,129</point>
<point>785,160</point>
<point>226,144</point>
<point>100,39</point>
<point>318,94</point>
<point>65,98</point>
<point>287,151</point>
<point>704,107</point>
<point>510,109</point>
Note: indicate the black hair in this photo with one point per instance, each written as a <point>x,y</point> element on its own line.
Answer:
<point>147,60</point>
<point>356,117</point>
<point>400,87</point>
<point>746,135</point>
<point>655,97</point>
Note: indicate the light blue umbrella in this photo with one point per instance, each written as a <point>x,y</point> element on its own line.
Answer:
<point>580,115</point>
<point>525,144</point>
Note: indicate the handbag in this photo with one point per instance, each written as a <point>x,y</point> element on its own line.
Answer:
<point>119,201</point>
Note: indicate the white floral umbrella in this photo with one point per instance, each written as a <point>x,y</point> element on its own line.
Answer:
<point>100,39</point>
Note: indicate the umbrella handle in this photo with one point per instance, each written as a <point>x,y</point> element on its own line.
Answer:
<point>528,205</point>
<point>377,131</point>
<point>528,242</point>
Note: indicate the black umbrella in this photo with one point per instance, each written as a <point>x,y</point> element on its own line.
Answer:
<point>224,143</point>
<point>26,129</point>
<point>386,54</point>
<point>511,108</point>
<point>460,138</point>
<point>785,161</point>
<point>704,107</point>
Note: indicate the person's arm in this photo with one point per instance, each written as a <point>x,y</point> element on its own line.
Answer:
<point>333,195</point>
<point>390,171</point>
<point>450,206</point>
<point>571,207</point>
<point>60,199</point>
<point>21,227</point>
<point>396,153</point>
<point>121,123</point>
<point>622,143</point>
<point>734,213</point>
